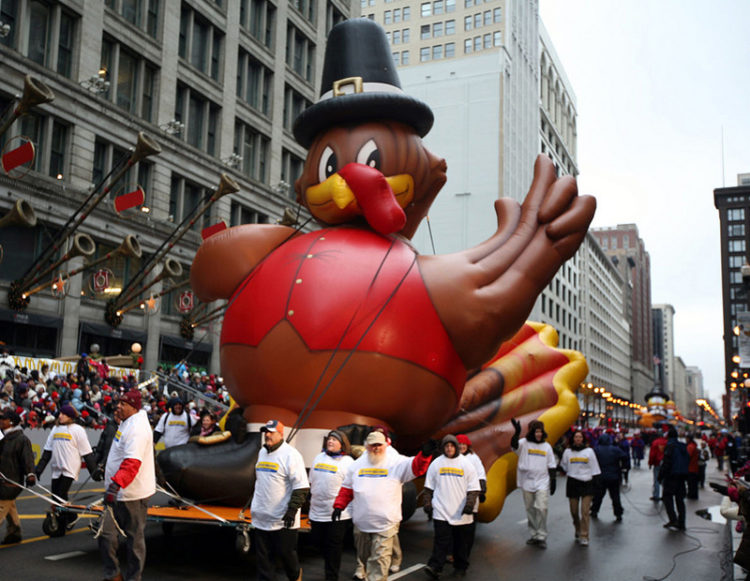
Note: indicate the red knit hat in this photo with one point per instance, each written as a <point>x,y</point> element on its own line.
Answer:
<point>132,397</point>
<point>463,439</point>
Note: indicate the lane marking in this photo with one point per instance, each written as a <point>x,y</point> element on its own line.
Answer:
<point>38,516</point>
<point>62,556</point>
<point>522,522</point>
<point>405,572</point>
<point>44,538</point>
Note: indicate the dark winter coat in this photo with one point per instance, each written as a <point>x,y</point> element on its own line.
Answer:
<point>676,460</point>
<point>16,462</point>
<point>612,460</point>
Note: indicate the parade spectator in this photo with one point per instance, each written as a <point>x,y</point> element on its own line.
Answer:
<point>326,477</point>
<point>281,487</point>
<point>206,427</point>
<point>580,464</point>
<point>373,486</point>
<point>612,461</point>
<point>451,490</point>
<point>720,449</point>
<point>535,476</point>
<point>17,464</point>
<point>464,447</point>
<point>693,467</point>
<point>131,481</point>
<point>637,446</point>
<point>174,425</point>
<point>83,370</point>
<point>672,474</point>
<point>101,452</point>
<point>7,363</point>
<point>622,442</point>
<point>655,457</point>
<point>704,455</point>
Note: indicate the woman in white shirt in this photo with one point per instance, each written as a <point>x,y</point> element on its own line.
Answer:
<point>580,464</point>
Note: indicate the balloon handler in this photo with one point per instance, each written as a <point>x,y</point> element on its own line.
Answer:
<point>349,325</point>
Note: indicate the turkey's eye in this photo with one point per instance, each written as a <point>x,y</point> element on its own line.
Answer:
<point>328,164</point>
<point>369,155</point>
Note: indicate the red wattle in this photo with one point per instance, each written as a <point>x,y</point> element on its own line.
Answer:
<point>374,197</point>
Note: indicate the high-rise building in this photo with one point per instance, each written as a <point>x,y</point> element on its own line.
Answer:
<point>626,249</point>
<point>734,222</point>
<point>663,354</point>
<point>217,84</point>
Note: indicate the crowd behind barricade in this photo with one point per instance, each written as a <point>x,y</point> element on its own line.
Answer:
<point>38,395</point>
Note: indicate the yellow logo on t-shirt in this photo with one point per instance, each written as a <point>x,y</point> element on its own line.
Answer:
<point>373,472</point>
<point>62,436</point>
<point>176,423</point>
<point>448,471</point>
<point>330,468</point>
<point>118,435</point>
<point>579,460</point>
<point>266,467</point>
<point>535,452</point>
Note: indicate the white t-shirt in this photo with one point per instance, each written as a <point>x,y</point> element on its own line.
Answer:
<point>175,429</point>
<point>534,462</point>
<point>277,474</point>
<point>68,445</point>
<point>133,439</point>
<point>580,464</point>
<point>376,506</point>
<point>450,479</point>
<point>326,475</point>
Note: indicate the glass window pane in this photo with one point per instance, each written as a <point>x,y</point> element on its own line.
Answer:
<point>57,150</point>
<point>8,11</point>
<point>38,32</point>
<point>131,11</point>
<point>126,81</point>
<point>195,122</point>
<point>65,45</point>
<point>199,48</point>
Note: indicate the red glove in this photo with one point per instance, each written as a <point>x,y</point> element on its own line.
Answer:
<point>111,495</point>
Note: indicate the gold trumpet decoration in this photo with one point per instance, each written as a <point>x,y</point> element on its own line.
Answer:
<point>226,186</point>
<point>171,269</point>
<point>21,214</point>
<point>144,148</point>
<point>35,93</point>
<point>128,247</point>
<point>83,245</point>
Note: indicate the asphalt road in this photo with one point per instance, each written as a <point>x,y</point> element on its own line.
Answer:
<point>637,549</point>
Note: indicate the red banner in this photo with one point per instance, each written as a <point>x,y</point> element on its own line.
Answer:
<point>18,156</point>
<point>215,229</point>
<point>130,200</point>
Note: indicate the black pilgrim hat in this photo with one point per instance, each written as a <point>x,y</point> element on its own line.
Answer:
<point>360,83</point>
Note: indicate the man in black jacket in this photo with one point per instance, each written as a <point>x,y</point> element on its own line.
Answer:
<point>16,463</point>
<point>672,474</point>
<point>612,461</point>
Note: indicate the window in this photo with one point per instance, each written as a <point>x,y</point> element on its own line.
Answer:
<point>49,34</point>
<point>396,37</point>
<point>468,3</point>
<point>736,260</point>
<point>497,38</point>
<point>107,156</point>
<point>306,8</point>
<point>450,50</point>
<point>405,35</point>
<point>200,43</point>
<point>736,214</point>
<point>467,46</point>
<point>291,170</point>
<point>396,15</point>
<point>424,31</point>
<point>241,214</point>
<point>388,37</point>
<point>424,54</point>
<point>50,138</point>
<point>184,198</point>
<point>253,147</point>
<point>467,22</point>
<point>254,82</point>
<point>437,29</point>
<point>294,104</point>
<point>487,40</point>
<point>450,5</point>
<point>477,43</point>
<point>201,118</point>
<point>333,17</point>
<point>143,14</point>
<point>300,53</point>
<point>437,7</point>
<point>437,52</point>
<point>450,27</point>
<point>258,17</point>
<point>497,14</point>
<point>407,13</point>
<point>132,79</point>
<point>426,9</point>
<point>487,17</point>
<point>478,20</point>
<point>736,229</point>
<point>396,58</point>
<point>736,246</point>
<point>405,57</point>
<point>387,17</point>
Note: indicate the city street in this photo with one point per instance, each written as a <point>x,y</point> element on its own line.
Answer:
<point>636,549</point>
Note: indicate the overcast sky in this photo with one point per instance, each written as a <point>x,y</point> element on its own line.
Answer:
<point>655,82</point>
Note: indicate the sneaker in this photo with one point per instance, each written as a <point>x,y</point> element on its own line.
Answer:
<point>531,541</point>
<point>12,539</point>
<point>541,544</point>
<point>618,518</point>
<point>670,524</point>
<point>584,542</point>
<point>395,568</point>
<point>431,573</point>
